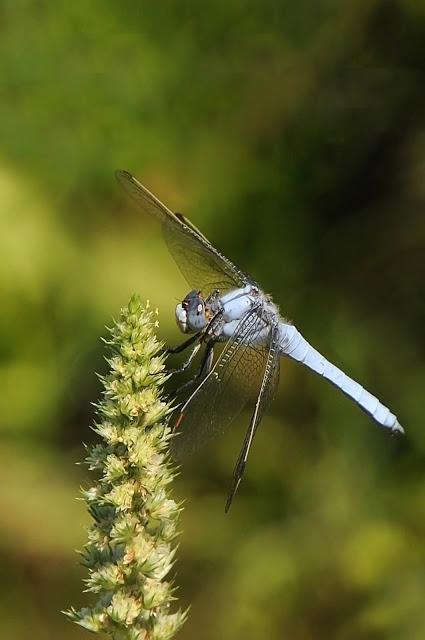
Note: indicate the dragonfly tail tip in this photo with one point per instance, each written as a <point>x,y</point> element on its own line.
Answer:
<point>397,428</point>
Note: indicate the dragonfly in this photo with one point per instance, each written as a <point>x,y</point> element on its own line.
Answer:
<point>227,308</point>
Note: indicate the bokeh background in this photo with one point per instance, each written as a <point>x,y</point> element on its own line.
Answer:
<point>293,134</point>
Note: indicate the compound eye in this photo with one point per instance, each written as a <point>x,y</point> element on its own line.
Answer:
<point>199,309</point>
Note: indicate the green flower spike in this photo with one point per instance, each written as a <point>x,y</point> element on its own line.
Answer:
<point>129,551</point>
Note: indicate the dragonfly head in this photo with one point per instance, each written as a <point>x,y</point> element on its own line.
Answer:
<point>191,314</point>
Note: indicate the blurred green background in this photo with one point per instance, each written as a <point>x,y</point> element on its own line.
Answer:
<point>293,135</point>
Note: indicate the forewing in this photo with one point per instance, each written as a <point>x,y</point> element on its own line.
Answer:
<point>201,264</point>
<point>233,381</point>
<point>266,392</point>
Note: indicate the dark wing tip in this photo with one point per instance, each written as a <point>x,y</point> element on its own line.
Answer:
<point>122,175</point>
<point>233,489</point>
<point>229,501</point>
<point>131,185</point>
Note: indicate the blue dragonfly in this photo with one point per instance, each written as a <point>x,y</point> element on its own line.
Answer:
<point>226,306</point>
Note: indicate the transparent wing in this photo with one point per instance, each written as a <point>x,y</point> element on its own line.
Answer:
<point>200,263</point>
<point>267,390</point>
<point>234,380</point>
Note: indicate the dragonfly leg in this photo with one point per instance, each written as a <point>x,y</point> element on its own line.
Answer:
<point>203,370</point>
<point>184,345</point>
<point>179,349</point>
<point>187,362</point>
<point>197,337</point>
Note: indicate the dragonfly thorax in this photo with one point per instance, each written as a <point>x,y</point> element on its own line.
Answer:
<point>191,313</point>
